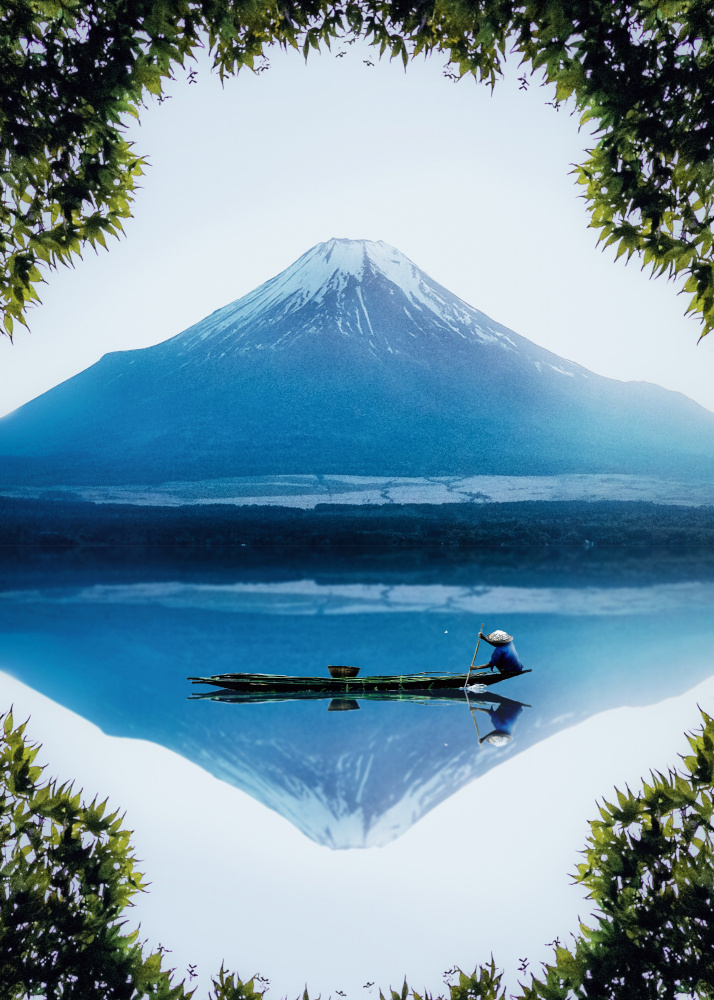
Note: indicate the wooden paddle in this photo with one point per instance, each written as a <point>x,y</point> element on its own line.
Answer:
<point>475,655</point>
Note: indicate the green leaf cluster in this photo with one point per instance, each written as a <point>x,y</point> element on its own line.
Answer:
<point>67,876</point>
<point>649,868</point>
<point>73,70</point>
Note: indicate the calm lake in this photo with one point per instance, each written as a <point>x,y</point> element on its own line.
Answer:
<point>347,848</point>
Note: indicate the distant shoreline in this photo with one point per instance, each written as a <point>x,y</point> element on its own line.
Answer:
<point>57,523</point>
<point>311,490</point>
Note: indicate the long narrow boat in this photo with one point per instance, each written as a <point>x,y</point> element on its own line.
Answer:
<point>353,687</point>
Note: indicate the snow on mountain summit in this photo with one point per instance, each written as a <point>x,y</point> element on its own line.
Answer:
<point>330,265</point>
<point>348,288</point>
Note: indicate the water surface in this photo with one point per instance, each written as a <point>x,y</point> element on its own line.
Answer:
<point>114,638</point>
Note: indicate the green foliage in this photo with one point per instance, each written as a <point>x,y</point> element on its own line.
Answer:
<point>484,982</point>
<point>649,867</point>
<point>66,876</point>
<point>73,70</point>
<point>229,986</point>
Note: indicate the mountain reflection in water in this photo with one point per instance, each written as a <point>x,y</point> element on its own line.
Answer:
<point>360,781</point>
<point>115,641</point>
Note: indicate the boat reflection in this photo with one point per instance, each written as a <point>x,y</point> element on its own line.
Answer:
<point>344,682</point>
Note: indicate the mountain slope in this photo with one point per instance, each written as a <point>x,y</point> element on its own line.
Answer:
<point>352,361</point>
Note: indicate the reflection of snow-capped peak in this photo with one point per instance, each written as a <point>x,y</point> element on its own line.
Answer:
<point>344,804</point>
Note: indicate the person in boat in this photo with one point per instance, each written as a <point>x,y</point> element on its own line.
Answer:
<point>504,715</point>
<point>504,657</point>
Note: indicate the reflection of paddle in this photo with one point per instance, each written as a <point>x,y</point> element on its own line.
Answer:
<point>468,702</point>
<point>474,659</point>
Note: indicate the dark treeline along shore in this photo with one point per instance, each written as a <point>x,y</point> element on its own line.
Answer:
<point>25,567</point>
<point>528,523</point>
<point>39,566</point>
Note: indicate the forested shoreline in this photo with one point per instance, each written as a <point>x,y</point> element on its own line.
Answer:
<point>52,523</point>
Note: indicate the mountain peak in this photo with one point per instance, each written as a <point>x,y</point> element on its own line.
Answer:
<point>355,288</point>
<point>331,267</point>
<point>357,258</point>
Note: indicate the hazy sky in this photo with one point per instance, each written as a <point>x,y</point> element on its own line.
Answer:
<point>475,188</point>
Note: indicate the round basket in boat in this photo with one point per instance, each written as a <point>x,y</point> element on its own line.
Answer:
<point>343,671</point>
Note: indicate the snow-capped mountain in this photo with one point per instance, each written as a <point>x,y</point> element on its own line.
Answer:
<point>326,296</point>
<point>352,361</point>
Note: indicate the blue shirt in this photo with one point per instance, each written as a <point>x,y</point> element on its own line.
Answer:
<point>506,658</point>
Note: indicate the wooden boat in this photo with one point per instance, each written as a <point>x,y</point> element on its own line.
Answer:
<point>427,683</point>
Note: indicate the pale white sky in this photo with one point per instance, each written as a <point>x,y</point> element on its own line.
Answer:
<point>474,188</point>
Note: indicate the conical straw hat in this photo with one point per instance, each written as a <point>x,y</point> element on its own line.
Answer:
<point>499,638</point>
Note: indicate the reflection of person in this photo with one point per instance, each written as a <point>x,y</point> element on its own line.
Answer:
<point>503,718</point>
<point>504,656</point>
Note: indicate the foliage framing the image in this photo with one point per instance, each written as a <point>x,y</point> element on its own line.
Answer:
<point>73,70</point>
<point>649,868</point>
<point>67,874</point>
